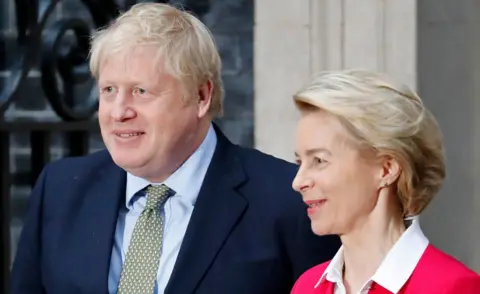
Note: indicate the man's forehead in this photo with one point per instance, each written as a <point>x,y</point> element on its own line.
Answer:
<point>137,64</point>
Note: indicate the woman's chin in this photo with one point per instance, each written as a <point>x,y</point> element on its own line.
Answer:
<point>322,229</point>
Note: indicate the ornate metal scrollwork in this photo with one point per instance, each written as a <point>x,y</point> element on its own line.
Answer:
<point>55,63</point>
<point>63,66</point>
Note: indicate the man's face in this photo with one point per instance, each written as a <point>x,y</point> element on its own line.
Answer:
<point>145,121</point>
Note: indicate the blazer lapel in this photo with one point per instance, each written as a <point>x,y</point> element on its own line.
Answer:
<point>98,219</point>
<point>377,289</point>
<point>325,287</point>
<point>217,210</point>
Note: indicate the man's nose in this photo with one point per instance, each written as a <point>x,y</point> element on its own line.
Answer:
<point>122,109</point>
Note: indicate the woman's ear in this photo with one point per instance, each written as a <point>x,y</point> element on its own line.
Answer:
<point>390,171</point>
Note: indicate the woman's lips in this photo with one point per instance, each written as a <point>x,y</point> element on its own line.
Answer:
<point>314,205</point>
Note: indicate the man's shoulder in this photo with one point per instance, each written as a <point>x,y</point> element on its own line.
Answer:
<point>70,177</point>
<point>256,161</point>
<point>270,180</point>
<point>76,164</point>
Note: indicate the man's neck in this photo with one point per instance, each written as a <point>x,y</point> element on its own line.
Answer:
<point>182,155</point>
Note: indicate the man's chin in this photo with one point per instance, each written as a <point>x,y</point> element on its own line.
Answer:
<point>128,162</point>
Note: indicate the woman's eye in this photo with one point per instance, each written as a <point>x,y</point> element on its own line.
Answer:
<point>319,161</point>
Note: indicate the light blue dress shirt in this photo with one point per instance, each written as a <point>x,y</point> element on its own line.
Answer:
<point>186,182</point>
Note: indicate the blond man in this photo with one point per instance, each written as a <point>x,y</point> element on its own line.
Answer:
<point>171,206</point>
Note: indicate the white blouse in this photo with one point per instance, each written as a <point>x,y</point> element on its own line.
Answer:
<point>395,269</point>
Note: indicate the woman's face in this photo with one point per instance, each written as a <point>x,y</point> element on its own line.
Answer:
<point>337,179</point>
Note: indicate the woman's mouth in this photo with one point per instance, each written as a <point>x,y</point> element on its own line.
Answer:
<point>314,205</point>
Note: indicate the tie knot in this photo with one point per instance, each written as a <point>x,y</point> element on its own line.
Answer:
<point>157,195</point>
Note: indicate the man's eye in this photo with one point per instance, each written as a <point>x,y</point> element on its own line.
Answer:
<point>141,91</point>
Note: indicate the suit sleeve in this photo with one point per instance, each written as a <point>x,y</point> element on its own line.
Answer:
<point>305,249</point>
<point>26,275</point>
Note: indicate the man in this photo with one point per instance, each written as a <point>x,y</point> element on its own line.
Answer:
<point>172,206</point>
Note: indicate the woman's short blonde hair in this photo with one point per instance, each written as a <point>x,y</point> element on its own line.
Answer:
<point>387,117</point>
<point>185,45</point>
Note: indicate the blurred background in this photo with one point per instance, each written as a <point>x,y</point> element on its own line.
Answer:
<point>269,49</point>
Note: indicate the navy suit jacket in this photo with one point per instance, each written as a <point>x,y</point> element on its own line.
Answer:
<point>249,232</point>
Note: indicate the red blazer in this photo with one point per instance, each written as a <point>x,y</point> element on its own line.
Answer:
<point>435,273</point>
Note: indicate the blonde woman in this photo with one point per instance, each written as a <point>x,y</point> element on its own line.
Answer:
<point>371,160</point>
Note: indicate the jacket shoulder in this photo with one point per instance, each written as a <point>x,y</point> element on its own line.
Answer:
<point>256,160</point>
<point>270,177</point>
<point>307,281</point>
<point>77,170</point>
<point>75,164</point>
<point>438,261</point>
<point>438,270</point>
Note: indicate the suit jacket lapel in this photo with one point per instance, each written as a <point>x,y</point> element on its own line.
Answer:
<point>217,210</point>
<point>98,218</point>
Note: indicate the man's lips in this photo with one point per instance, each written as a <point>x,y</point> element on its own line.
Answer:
<point>128,133</point>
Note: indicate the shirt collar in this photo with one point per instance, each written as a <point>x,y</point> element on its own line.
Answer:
<point>397,266</point>
<point>187,180</point>
<point>333,272</point>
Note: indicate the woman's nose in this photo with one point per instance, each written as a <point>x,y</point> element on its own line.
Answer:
<point>302,182</point>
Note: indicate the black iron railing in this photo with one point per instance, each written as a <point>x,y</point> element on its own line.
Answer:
<point>59,51</point>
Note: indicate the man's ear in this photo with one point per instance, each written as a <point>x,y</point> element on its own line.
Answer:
<point>204,98</point>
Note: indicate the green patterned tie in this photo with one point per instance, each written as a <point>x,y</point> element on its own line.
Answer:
<point>143,256</point>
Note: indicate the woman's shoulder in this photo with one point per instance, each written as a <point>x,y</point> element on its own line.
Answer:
<point>439,270</point>
<point>436,260</point>
<point>307,281</point>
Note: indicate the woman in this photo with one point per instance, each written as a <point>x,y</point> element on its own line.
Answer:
<point>371,160</point>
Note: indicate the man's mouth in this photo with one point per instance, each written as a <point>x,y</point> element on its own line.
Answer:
<point>127,135</point>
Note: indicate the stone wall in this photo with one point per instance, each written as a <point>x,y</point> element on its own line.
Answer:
<point>299,38</point>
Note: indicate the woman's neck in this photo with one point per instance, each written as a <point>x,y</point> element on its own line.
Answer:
<point>366,247</point>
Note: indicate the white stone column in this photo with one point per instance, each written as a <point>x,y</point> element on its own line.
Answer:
<point>294,39</point>
<point>281,65</point>
<point>475,231</point>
